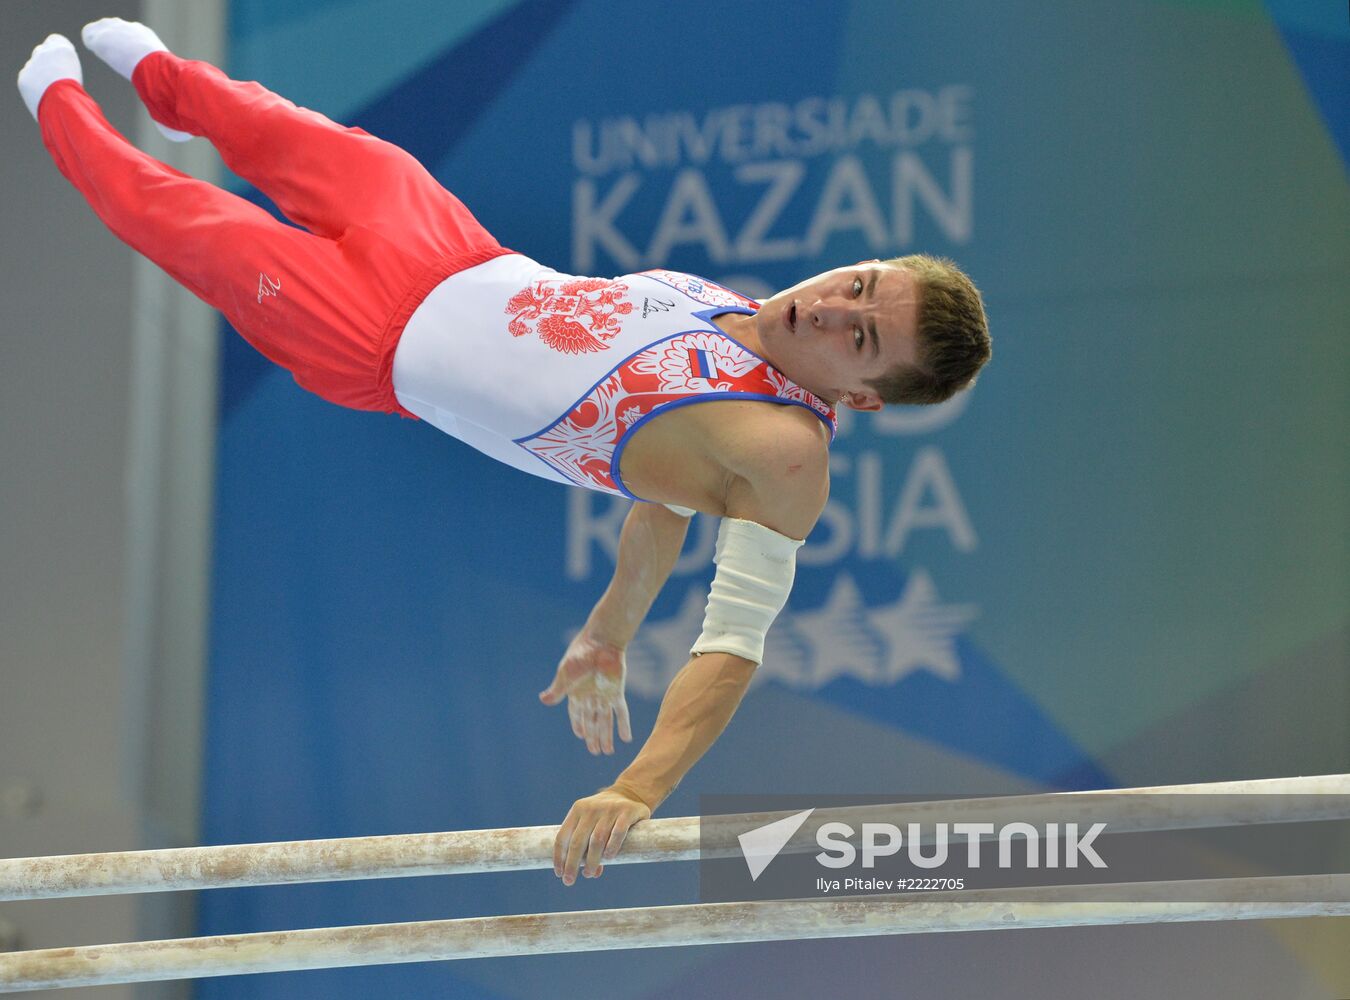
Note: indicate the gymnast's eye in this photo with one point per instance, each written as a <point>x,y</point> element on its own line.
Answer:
<point>858,338</point>
<point>857,287</point>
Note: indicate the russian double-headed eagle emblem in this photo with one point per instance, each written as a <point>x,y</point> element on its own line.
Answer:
<point>576,316</point>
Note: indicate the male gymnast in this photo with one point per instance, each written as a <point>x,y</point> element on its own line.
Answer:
<point>393,298</point>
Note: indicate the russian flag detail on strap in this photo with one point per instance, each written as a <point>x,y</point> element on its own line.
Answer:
<point>703,363</point>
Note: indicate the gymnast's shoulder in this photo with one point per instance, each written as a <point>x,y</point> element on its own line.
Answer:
<point>779,457</point>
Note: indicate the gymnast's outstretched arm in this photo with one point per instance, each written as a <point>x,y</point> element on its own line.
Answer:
<point>696,709</point>
<point>592,671</point>
<point>767,519</point>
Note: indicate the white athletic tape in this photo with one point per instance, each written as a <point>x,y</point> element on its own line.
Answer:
<point>755,567</point>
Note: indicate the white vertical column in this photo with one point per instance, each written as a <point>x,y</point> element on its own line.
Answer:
<point>169,483</point>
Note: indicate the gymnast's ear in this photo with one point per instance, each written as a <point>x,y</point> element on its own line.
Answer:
<point>862,402</point>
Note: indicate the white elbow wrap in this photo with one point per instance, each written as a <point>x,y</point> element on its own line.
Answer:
<point>682,511</point>
<point>755,567</point>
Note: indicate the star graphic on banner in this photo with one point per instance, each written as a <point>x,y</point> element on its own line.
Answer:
<point>809,649</point>
<point>921,631</point>
<point>878,646</point>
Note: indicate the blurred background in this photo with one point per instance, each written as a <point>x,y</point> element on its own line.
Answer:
<point>231,612</point>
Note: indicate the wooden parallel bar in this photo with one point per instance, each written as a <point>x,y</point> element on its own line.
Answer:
<point>1165,807</point>
<point>676,926</point>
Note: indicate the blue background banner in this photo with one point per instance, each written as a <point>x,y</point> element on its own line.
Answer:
<point>1121,559</point>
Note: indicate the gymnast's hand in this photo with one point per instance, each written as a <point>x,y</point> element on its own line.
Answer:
<point>594,830</point>
<point>591,677</point>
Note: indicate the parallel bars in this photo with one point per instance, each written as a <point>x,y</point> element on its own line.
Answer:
<point>1125,810</point>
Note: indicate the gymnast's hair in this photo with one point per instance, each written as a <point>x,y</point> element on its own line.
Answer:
<point>953,335</point>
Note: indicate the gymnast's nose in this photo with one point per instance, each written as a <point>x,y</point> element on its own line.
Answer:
<point>829,315</point>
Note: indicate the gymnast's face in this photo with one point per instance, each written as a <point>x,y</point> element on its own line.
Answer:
<point>831,332</point>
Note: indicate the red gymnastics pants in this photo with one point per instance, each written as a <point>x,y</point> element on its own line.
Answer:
<point>327,304</point>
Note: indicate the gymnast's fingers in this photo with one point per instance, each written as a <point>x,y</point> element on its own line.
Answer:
<point>578,723</point>
<point>593,729</point>
<point>595,847</point>
<point>606,729</point>
<point>563,841</point>
<point>618,835</point>
<point>581,837</point>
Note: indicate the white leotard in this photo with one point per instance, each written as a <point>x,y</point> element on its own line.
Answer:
<point>551,372</point>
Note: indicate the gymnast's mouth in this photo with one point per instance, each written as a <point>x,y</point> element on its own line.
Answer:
<point>790,318</point>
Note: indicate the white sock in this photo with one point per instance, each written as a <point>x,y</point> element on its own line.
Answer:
<point>55,59</point>
<point>122,45</point>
